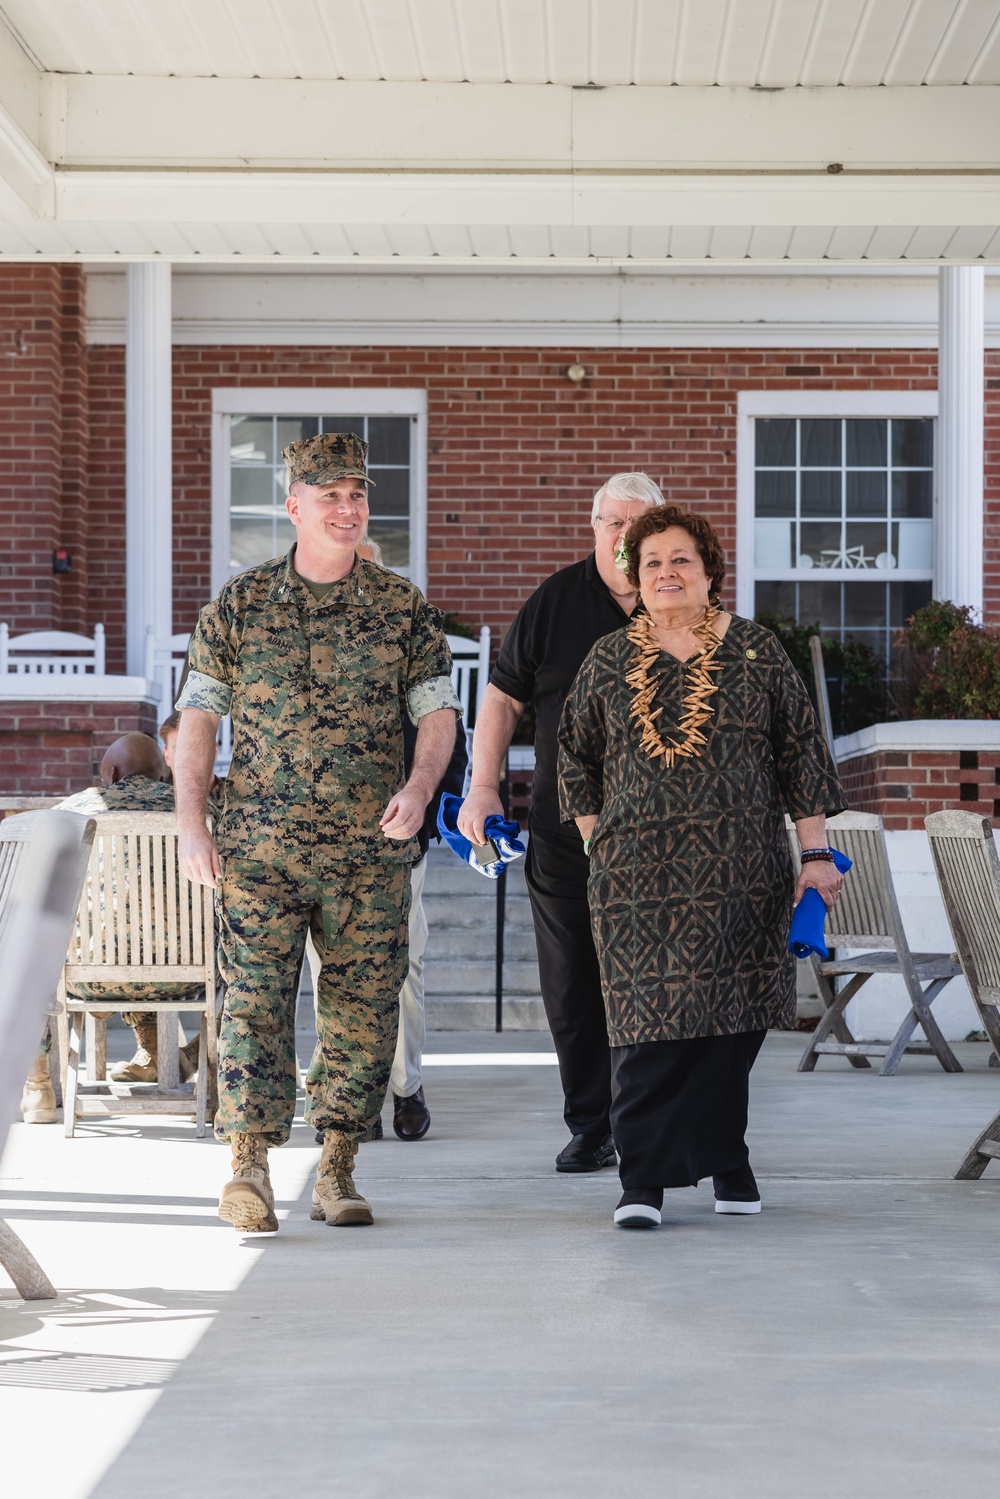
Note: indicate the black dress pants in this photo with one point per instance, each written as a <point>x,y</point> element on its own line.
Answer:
<point>680,1108</point>
<point>556,870</point>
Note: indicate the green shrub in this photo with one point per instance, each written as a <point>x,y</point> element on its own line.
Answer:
<point>855,676</point>
<point>947,665</point>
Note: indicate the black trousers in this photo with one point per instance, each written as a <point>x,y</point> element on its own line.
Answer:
<point>556,871</point>
<point>679,1109</point>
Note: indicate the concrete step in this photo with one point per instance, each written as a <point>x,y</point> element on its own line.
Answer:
<point>449,944</point>
<point>519,977</point>
<point>471,911</point>
<point>447,875</point>
<point>473,1012</point>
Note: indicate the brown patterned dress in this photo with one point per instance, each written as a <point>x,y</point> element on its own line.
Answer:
<point>690,873</point>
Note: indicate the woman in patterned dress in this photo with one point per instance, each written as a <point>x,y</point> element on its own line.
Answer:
<point>686,737</point>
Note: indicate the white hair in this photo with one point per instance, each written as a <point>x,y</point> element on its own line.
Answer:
<point>368,544</point>
<point>633,486</point>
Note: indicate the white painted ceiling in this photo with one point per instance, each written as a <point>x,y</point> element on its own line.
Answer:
<point>501,132</point>
<point>736,43</point>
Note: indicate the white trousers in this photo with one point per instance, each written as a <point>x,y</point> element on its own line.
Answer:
<point>405,1077</point>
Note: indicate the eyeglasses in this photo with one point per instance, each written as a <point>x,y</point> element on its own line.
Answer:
<point>611,522</point>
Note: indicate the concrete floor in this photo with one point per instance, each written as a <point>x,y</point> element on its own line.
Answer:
<point>493,1334</point>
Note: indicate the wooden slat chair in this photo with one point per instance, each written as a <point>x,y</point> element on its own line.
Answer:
<point>867,917</point>
<point>968,872</point>
<point>43,859</point>
<point>139,921</point>
<point>52,653</point>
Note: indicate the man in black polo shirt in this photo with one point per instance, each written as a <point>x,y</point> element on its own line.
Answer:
<point>540,656</point>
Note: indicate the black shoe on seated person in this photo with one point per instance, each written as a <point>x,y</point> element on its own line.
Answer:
<point>587,1153</point>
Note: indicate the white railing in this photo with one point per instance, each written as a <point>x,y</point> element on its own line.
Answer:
<point>55,653</point>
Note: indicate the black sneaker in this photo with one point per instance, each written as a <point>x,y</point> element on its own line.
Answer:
<point>640,1209</point>
<point>736,1191</point>
<point>587,1153</point>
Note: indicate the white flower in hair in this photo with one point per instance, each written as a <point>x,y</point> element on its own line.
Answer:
<point>621,554</point>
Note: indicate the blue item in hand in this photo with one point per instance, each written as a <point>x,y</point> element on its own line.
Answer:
<point>809,918</point>
<point>503,835</point>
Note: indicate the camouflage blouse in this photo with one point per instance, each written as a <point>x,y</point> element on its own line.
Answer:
<point>317,690</point>
<point>690,869</point>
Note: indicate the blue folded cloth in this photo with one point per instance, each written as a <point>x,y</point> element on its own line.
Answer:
<point>501,832</point>
<point>809,918</point>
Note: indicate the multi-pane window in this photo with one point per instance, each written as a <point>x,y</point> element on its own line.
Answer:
<point>259,527</point>
<point>843,522</point>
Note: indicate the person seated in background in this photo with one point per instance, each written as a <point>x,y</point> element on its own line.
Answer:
<point>131,775</point>
<point>168,737</point>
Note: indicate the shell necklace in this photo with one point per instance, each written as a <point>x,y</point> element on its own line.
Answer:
<point>701,684</point>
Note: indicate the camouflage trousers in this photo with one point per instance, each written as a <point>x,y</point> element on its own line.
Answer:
<point>358,918</point>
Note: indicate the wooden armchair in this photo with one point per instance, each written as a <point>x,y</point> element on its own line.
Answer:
<point>139,921</point>
<point>867,917</point>
<point>968,871</point>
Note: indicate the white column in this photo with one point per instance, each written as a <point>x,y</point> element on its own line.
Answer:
<point>148,470</point>
<point>958,532</point>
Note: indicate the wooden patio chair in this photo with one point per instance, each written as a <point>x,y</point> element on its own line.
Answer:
<point>43,860</point>
<point>867,917</point>
<point>139,921</point>
<point>968,871</point>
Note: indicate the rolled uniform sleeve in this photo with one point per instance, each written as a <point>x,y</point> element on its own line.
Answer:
<point>428,678</point>
<point>208,684</point>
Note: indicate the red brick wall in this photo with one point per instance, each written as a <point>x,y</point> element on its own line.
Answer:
<point>51,749</point>
<point>31,462</point>
<point>904,787</point>
<point>515,449</point>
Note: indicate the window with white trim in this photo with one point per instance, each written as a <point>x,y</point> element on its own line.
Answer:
<point>843,521</point>
<point>253,427</point>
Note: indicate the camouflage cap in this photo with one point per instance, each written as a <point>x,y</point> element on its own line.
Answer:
<point>329,456</point>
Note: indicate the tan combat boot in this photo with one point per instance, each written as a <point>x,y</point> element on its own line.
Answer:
<point>335,1197</point>
<point>247,1202</point>
<point>38,1099</point>
<point>142,1068</point>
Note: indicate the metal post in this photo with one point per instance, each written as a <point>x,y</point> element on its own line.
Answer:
<point>501,903</point>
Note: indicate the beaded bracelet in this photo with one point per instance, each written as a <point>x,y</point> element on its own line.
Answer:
<point>816,856</point>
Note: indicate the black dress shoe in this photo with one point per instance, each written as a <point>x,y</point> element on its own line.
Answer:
<point>587,1153</point>
<point>410,1116</point>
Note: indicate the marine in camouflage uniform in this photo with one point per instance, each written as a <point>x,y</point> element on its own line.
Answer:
<point>316,678</point>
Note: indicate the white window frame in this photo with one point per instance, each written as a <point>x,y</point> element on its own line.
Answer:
<point>290,400</point>
<point>751,404</point>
